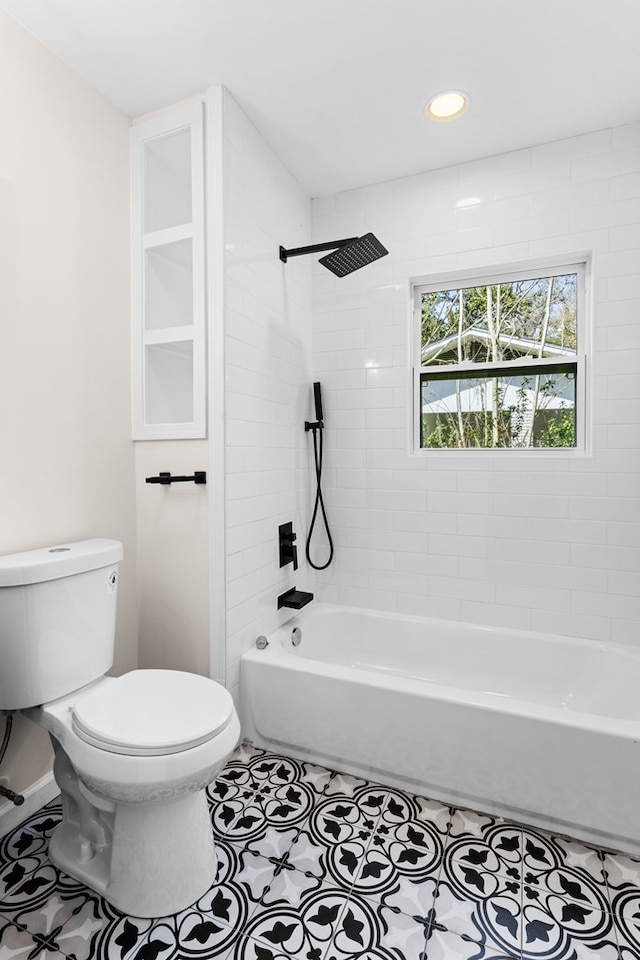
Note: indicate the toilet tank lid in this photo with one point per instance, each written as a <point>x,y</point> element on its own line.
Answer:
<point>61,560</point>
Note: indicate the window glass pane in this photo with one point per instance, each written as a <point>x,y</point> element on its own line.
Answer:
<point>505,321</point>
<point>522,410</point>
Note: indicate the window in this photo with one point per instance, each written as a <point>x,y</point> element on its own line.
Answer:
<point>500,361</point>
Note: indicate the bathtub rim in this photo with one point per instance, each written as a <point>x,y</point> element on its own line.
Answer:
<point>281,652</point>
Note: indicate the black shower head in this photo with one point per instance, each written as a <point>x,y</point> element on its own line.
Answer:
<point>353,255</point>
<point>346,256</point>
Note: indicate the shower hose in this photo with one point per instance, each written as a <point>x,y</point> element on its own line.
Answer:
<point>319,504</point>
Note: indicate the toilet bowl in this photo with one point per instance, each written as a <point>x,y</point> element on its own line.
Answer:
<point>133,754</point>
<point>133,758</point>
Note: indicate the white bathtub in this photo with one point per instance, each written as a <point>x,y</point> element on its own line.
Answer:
<point>542,729</point>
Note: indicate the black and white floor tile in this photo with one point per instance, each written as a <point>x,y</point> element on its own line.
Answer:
<point>318,865</point>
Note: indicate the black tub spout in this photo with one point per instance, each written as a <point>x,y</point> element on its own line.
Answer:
<point>296,599</point>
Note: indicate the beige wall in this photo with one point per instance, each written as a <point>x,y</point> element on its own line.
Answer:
<point>66,457</point>
<point>173,559</point>
<point>172,524</point>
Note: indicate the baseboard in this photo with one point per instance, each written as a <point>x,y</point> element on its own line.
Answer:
<point>35,796</point>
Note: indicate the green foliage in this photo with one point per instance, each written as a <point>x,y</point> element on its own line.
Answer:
<point>502,425</point>
<point>560,431</point>
<point>541,311</point>
<point>491,324</point>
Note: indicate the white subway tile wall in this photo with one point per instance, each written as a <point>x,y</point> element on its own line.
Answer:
<point>549,543</point>
<point>268,375</point>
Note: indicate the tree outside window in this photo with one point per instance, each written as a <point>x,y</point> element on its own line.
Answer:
<point>499,363</point>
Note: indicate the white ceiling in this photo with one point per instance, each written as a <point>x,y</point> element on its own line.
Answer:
<point>337,87</point>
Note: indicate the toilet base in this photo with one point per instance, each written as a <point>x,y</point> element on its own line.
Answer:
<point>146,858</point>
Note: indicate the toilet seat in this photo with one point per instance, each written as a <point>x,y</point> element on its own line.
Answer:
<point>152,713</point>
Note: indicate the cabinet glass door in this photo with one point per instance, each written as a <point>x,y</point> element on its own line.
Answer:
<point>168,276</point>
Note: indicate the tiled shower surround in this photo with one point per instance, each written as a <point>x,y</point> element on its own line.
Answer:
<point>547,543</point>
<point>318,865</point>
<point>530,541</point>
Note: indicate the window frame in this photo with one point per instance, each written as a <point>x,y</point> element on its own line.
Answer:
<point>530,270</point>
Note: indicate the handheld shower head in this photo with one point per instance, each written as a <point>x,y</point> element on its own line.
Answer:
<point>346,256</point>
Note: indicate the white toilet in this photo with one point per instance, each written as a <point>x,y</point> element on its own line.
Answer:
<point>133,755</point>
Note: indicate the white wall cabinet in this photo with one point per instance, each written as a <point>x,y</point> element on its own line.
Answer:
<point>168,276</point>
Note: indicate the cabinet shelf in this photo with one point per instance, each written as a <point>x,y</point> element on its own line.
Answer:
<point>168,335</point>
<point>169,287</point>
<point>158,238</point>
<point>168,276</point>
<point>168,178</point>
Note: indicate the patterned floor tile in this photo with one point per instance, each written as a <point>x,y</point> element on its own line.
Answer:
<point>160,941</point>
<point>319,865</point>
<point>555,931</point>
<point>481,907</point>
<point>266,826</point>
<point>117,939</point>
<point>285,797</point>
<point>18,944</point>
<point>344,784</point>
<point>231,784</point>
<point>44,822</point>
<point>89,927</point>
<point>272,772</point>
<point>334,857</point>
<point>243,878</point>
<point>579,856</point>
<point>51,916</point>
<point>628,953</point>
<point>236,778</point>
<point>580,892</point>
<point>378,932</point>
<point>22,842</point>
<point>561,913</point>
<point>381,881</point>
<point>444,945</point>
<point>361,809</point>
<point>626,915</point>
<point>543,852</point>
<point>245,752</point>
<point>303,927</point>
<point>335,837</point>
<point>487,843</point>
<point>401,866</point>
<point>26,884</point>
<point>621,872</point>
<point>412,821</point>
<point>555,868</point>
<point>210,928</point>
<point>401,807</point>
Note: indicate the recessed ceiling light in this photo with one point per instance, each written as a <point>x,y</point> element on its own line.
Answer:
<point>447,106</point>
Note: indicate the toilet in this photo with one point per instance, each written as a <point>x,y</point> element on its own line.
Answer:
<point>133,754</point>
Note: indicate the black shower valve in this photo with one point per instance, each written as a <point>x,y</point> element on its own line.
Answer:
<point>287,547</point>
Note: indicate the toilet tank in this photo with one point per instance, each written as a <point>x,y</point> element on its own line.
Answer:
<point>57,620</point>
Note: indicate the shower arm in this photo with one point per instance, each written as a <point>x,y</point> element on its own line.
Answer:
<point>314,248</point>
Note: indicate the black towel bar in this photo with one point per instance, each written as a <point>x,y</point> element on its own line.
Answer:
<point>199,476</point>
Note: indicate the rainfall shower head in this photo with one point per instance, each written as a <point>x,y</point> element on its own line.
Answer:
<point>358,253</point>
<point>346,256</point>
